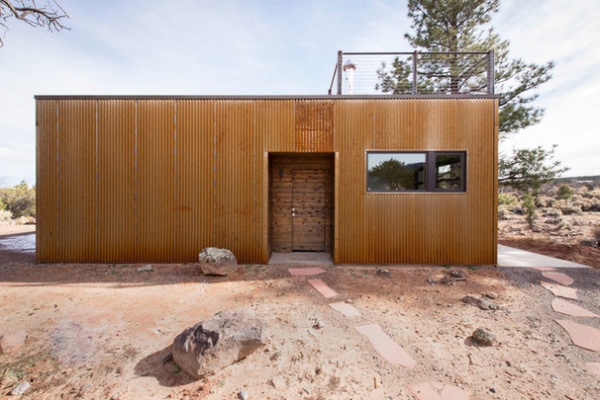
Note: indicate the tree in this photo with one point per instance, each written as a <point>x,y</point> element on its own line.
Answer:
<point>393,174</point>
<point>463,26</point>
<point>526,171</point>
<point>50,14</point>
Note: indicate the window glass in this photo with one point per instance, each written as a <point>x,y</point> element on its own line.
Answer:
<point>449,171</point>
<point>427,171</point>
<point>394,172</point>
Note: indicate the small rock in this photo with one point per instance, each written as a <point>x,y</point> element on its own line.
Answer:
<point>491,295</point>
<point>431,281</point>
<point>20,388</point>
<point>349,301</point>
<point>243,395</point>
<point>481,303</point>
<point>214,261</point>
<point>384,272</point>
<point>492,390</point>
<point>307,390</point>
<point>278,383</point>
<point>376,382</point>
<point>484,337</point>
<point>12,341</point>
<point>458,274</point>
<point>145,268</point>
<point>318,324</point>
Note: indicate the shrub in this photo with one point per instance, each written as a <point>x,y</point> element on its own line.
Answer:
<point>5,216</point>
<point>507,199</point>
<point>553,212</point>
<point>530,209</point>
<point>565,192</point>
<point>571,209</point>
<point>19,200</point>
<point>503,212</point>
<point>545,201</point>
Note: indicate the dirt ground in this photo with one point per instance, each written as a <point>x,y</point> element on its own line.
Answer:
<point>104,331</point>
<point>572,239</point>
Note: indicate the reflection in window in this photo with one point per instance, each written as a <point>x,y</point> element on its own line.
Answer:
<point>428,171</point>
<point>391,172</point>
<point>448,171</point>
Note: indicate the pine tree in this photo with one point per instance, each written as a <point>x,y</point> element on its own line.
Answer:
<point>464,26</point>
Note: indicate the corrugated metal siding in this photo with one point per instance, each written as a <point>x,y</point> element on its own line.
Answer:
<point>314,126</point>
<point>77,180</point>
<point>417,227</point>
<point>47,180</point>
<point>194,178</point>
<point>159,179</point>
<point>116,181</point>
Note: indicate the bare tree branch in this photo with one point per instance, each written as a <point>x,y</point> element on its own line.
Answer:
<point>49,15</point>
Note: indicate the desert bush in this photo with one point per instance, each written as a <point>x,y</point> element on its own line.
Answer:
<point>5,216</point>
<point>563,225</point>
<point>553,213</point>
<point>19,200</point>
<point>545,201</point>
<point>530,209</point>
<point>571,209</point>
<point>565,192</point>
<point>589,204</point>
<point>507,199</point>
<point>503,212</point>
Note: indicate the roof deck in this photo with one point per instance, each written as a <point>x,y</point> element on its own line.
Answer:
<point>452,74</point>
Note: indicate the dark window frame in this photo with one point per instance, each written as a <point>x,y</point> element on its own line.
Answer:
<point>430,167</point>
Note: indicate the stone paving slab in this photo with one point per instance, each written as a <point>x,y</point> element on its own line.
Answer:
<point>385,346</point>
<point>305,271</point>
<point>322,288</point>
<point>593,368</point>
<point>564,307</point>
<point>559,277</point>
<point>347,309</point>
<point>437,391</point>
<point>560,291</point>
<point>582,336</point>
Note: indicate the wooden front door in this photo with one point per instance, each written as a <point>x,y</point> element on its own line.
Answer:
<point>309,213</point>
<point>301,202</point>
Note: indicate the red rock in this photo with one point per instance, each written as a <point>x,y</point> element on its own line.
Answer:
<point>583,336</point>
<point>385,346</point>
<point>12,341</point>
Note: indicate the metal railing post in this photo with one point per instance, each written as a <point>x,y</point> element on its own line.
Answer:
<point>490,72</point>
<point>415,65</point>
<point>339,71</point>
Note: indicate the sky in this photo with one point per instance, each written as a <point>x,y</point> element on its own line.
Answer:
<point>277,47</point>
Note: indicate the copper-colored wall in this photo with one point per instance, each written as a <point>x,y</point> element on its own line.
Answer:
<point>142,179</point>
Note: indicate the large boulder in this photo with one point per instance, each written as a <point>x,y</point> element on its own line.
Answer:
<point>217,342</point>
<point>214,261</point>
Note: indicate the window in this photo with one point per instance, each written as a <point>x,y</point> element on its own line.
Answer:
<point>426,171</point>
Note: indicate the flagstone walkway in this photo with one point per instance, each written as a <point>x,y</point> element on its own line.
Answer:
<point>581,335</point>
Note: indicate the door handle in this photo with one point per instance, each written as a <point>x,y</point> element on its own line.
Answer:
<point>293,212</point>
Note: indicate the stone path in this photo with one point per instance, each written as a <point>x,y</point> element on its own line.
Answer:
<point>581,335</point>
<point>383,344</point>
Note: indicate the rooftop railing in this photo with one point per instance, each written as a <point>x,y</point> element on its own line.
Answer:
<point>416,73</point>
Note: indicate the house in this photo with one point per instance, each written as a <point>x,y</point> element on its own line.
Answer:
<point>379,178</point>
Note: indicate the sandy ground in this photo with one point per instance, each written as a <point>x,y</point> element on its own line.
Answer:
<point>103,332</point>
